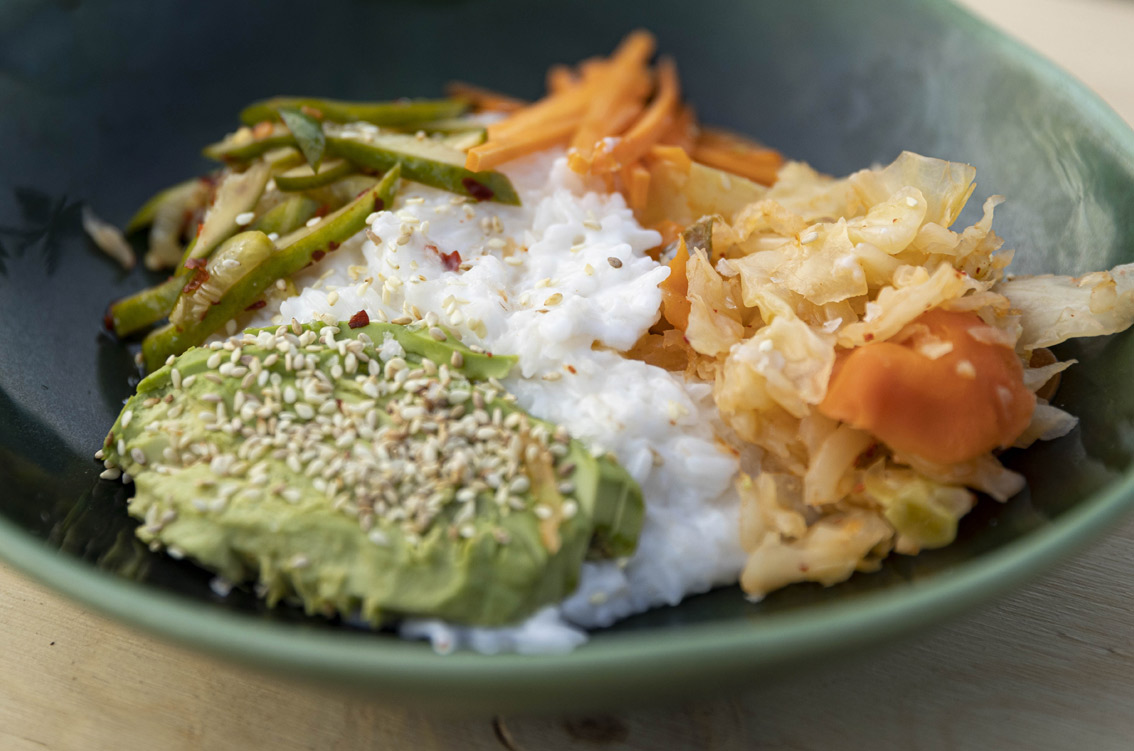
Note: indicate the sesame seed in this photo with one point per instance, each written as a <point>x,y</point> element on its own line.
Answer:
<point>214,361</point>
<point>615,262</point>
<point>110,474</point>
<point>245,218</point>
<point>809,237</point>
<point>128,415</point>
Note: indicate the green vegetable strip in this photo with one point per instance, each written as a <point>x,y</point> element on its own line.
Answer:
<point>308,134</point>
<point>306,249</point>
<point>239,193</point>
<point>231,150</point>
<point>450,177</point>
<point>144,308</point>
<point>144,216</point>
<point>403,113</point>
<point>287,216</point>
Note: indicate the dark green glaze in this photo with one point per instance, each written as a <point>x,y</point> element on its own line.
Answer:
<point>839,84</point>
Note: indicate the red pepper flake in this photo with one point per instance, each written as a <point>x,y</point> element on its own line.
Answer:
<point>571,369</point>
<point>358,320</point>
<point>332,245</point>
<point>477,190</point>
<point>322,210</point>
<point>868,337</point>
<point>200,276</point>
<point>257,305</point>
<point>262,129</point>
<point>200,226</point>
<point>108,320</point>
<point>195,263</point>
<point>312,111</point>
<point>379,204</point>
<point>451,261</point>
<point>318,255</point>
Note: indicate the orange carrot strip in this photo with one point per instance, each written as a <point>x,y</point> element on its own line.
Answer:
<point>625,115</point>
<point>560,78</point>
<point>622,76</point>
<point>675,155</point>
<point>684,131</point>
<point>675,289</point>
<point>760,165</point>
<point>636,178</point>
<point>493,153</point>
<point>655,121</point>
<point>484,99</point>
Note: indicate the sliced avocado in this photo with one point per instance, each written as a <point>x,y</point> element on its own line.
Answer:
<point>360,535</point>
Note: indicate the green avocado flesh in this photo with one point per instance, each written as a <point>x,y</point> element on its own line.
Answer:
<point>379,470</point>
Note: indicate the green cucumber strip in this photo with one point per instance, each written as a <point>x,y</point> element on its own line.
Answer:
<point>304,248</point>
<point>287,216</point>
<point>306,178</point>
<point>144,216</point>
<point>398,113</point>
<point>425,161</point>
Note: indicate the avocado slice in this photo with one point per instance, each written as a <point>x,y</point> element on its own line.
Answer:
<point>338,490</point>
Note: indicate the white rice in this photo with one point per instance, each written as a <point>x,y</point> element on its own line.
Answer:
<point>563,309</point>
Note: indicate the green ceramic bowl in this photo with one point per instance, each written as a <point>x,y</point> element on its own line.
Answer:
<point>103,102</point>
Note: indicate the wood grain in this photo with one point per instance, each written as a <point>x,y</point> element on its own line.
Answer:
<point>1051,667</point>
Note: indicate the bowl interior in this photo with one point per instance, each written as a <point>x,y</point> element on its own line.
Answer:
<point>104,102</point>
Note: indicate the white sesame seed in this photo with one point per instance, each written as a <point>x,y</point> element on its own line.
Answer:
<point>809,237</point>
<point>313,221</point>
<point>128,415</point>
<point>110,474</point>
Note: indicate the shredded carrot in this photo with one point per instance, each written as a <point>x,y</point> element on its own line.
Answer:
<point>669,230</point>
<point>636,178</point>
<point>495,152</point>
<point>560,78</point>
<point>735,153</point>
<point>654,122</point>
<point>625,115</point>
<point>484,99</point>
<point>759,165</point>
<point>675,289</point>
<point>675,155</point>
<point>622,76</point>
<point>684,131</point>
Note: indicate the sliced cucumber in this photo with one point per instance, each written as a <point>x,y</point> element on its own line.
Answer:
<point>305,178</point>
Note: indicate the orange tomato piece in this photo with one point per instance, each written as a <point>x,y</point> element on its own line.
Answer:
<point>956,407</point>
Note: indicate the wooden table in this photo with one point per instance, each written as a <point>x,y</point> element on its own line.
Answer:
<point>1051,667</point>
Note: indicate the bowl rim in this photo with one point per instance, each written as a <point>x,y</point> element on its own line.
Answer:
<point>413,673</point>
